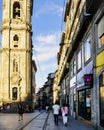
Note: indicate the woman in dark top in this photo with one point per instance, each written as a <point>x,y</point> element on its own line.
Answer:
<point>20,111</point>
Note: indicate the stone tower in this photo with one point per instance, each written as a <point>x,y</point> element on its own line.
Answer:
<point>16,51</point>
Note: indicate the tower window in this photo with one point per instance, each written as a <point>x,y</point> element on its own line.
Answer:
<point>15,66</point>
<point>15,38</point>
<point>16,10</point>
<point>14,93</point>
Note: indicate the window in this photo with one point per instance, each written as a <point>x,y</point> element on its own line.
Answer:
<point>79,60</point>
<point>101,33</point>
<point>101,84</point>
<point>16,10</point>
<point>15,66</point>
<point>15,38</point>
<point>14,93</point>
<point>74,66</point>
<point>87,49</point>
<point>102,40</point>
<point>71,70</point>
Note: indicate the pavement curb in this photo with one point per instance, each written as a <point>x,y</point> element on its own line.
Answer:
<point>45,124</point>
<point>21,128</point>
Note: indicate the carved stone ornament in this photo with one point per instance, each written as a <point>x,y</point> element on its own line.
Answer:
<point>15,78</point>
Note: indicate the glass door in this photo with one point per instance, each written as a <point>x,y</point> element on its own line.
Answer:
<point>81,104</point>
<point>88,104</point>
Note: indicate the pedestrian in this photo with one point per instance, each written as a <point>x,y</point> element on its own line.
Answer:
<point>20,111</point>
<point>47,108</point>
<point>64,111</point>
<point>55,110</point>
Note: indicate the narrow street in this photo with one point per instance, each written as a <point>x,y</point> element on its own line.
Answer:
<point>72,124</point>
<point>39,121</point>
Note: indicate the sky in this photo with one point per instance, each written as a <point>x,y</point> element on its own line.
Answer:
<point>47,26</point>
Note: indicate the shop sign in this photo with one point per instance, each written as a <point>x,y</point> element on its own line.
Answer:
<point>88,79</point>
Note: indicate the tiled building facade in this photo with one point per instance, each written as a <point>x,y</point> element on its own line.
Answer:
<point>81,61</point>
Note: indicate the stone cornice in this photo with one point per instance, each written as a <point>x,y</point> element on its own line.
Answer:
<point>12,24</point>
<point>20,49</point>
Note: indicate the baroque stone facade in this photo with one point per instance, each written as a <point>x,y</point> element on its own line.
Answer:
<point>16,74</point>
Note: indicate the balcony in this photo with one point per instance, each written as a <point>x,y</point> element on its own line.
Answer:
<point>93,5</point>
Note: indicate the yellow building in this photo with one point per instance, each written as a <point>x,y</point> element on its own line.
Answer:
<point>56,89</point>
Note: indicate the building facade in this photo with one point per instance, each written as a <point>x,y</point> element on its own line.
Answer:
<point>16,74</point>
<point>56,89</point>
<point>80,61</point>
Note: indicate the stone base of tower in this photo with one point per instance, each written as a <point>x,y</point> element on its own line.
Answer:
<point>13,107</point>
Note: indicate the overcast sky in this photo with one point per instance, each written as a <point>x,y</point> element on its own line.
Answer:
<point>47,21</point>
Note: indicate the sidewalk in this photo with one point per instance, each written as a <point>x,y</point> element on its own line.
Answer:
<point>38,123</point>
<point>10,121</point>
<point>73,124</point>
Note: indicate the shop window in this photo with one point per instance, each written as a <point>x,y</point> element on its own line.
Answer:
<point>87,49</point>
<point>16,10</point>
<point>74,102</point>
<point>84,104</point>
<point>101,84</point>
<point>14,93</point>
<point>88,104</point>
<point>81,104</point>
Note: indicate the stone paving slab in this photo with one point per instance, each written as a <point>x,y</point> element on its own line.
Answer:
<point>37,123</point>
<point>10,121</point>
<point>72,124</point>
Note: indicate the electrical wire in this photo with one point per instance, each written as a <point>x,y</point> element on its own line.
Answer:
<point>38,64</point>
<point>62,21</point>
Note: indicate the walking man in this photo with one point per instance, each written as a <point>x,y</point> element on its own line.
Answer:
<point>55,110</point>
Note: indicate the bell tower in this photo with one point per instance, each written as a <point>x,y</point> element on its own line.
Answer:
<point>16,51</point>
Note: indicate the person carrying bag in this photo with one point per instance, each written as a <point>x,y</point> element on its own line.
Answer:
<point>64,111</point>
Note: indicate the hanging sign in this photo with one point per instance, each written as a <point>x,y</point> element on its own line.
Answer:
<point>88,79</point>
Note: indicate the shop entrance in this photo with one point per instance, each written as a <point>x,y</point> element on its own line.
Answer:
<point>84,104</point>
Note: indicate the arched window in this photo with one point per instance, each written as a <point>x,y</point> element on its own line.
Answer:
<point>16,10</point>
<point>15,38</point>
<point>101,85</point>
<point>14,93</point>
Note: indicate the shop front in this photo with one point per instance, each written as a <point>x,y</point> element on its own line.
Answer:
<point>85,97</point>
<point>84,104</point>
